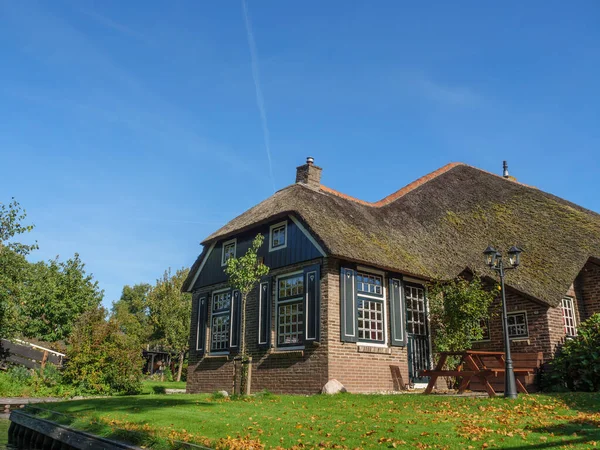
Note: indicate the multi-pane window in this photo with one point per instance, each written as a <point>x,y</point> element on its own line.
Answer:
<point>278,236</point>
<point>370,320</point>
<point>291,287</point>
<point>369,308</point>
<point>219,325</point>
<point>228,251</point>
<point>368,284</point>
<point>568,314</point>
<point>517,325</point>
<point>290,310</point>
<point>416,315</point>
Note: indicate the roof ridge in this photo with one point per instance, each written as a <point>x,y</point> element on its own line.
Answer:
<point>415,184</point>
<point>399,193</point>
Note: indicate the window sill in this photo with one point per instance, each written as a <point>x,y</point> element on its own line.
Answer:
<point>372,348</point>
<point>290,351</point>
<point>217,356</point>
<point>520,339</point>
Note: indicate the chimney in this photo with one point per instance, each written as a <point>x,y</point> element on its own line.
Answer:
<point>309,174</point>
<point>505,169</point>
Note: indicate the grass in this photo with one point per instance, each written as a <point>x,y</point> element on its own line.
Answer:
<point>158,387</point>
<point>33,385</point>
<point>344,421</point>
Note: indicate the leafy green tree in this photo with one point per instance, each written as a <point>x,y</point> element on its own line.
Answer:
<point>101,359</point>
<point>55,295</point>
<point>456,308</point>
<point>132,313</point>
<point>13,265</point>
<point>169,311</point>
<point>244,274</point>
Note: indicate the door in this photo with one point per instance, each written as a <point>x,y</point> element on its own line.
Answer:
<point>419,357</point>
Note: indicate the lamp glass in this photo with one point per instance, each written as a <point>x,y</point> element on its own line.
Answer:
<point>514,256</point>
<point>490,255</point>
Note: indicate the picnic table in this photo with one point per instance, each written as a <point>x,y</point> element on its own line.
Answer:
<point>472,364</point>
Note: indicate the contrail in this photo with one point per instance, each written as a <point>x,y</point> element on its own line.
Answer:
<point>259,97</point>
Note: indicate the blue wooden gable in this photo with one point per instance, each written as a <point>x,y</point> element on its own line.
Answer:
<point>299,247</point>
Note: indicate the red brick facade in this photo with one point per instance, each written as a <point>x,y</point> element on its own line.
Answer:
<point>364,368</point>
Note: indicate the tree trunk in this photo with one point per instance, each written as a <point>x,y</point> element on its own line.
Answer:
<point>179,370</point>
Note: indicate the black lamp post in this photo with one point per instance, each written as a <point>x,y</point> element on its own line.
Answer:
<point>493,259</point>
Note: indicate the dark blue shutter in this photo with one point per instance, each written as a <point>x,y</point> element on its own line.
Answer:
<point>312,302</point>
<point>397,313</point>
<point>235,322</point>
<point>202,305</point>
<point>348,305</point>
<point>264,313</point>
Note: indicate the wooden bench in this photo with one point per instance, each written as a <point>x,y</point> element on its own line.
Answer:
<point>525,366</point>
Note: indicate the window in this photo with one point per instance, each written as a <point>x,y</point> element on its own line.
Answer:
<point>517,325</point>
<point>370,320</point>
<point>290,310</point>
<point>484,324</point>
<point>278,236</point>
<point>228,251</point>
<point>568,313</point>
<point>369,308</point>
<point>416,315</point>
<point>368,284</point>
<point>219,325</point>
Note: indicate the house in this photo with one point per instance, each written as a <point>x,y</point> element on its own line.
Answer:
<point>346,296</point>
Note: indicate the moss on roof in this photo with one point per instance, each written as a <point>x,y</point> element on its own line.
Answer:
<point>443,225</point>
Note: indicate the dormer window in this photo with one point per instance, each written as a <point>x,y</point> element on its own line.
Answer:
<point>228,251</point>
<point>278,236</point>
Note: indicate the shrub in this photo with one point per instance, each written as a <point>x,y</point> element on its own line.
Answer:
<point>101,359</point>
<point>19,374</point>
<point>577,365</point>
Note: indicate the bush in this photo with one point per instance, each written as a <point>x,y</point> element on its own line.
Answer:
<point>19,374</point>
<point>577,365</point>
<point>101,359</point>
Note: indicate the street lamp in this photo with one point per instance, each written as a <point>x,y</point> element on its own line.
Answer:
<point>493,259</point>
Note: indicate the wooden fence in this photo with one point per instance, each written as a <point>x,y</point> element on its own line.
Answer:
<point>29,355</point>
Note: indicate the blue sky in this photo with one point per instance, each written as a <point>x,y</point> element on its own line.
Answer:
<point>131,130</point>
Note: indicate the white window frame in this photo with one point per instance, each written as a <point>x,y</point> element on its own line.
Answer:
<point>385,299</point>
<point>512,313</point>
<point>208,344</point>
<point>225,244</point>
<point>278,225</point>
<point>571,300</point>
<point>284,346</point>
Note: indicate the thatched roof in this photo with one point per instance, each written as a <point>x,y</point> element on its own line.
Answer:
<point>440,224</point>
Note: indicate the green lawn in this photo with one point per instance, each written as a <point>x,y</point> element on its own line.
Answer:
<point>158,387</point>
<point>346,420</point>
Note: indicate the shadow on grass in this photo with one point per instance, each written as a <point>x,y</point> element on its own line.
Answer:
<point>120,404</point>
<point>574,432</point>
<point>159,389</point>
<point>135,434</point>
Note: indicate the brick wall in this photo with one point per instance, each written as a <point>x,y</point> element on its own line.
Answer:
<point>349,362</point>
<point>360,368</point>
<point>589,280</point>
<point>291,372</point>
<point>539,339</point>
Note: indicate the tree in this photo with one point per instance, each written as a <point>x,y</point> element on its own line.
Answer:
<point>55,295</point>
<point>131,312</point>
<point>456,309</point>
<point>13,265</point>
<point>101,359</point>
<point>244,274</point>
<point>169,312</point>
